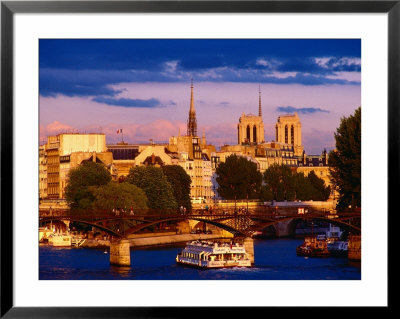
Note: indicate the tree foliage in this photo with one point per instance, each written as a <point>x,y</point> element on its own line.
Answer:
<point>180,182</point>
<point>155,184</point>
<point>320,191</point>
<point>279,179</point>
<point>281,183</point>
<point>345,160</point>
<point>77,192</point>
<point>238,178</point>
<point>123,196</point>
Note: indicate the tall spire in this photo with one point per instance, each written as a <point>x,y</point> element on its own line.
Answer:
<point>192,122</point>
<point>191,99</point>
<point>259,101</point>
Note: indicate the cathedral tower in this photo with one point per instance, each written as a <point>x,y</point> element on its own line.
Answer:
<point>288,131</point>
<point>192,122</point>
<point>251,127</point>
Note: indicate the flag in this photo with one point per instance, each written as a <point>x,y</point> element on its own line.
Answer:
<point>119,131</point>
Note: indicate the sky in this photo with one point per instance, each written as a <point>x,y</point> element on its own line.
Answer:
<point>142,86</point>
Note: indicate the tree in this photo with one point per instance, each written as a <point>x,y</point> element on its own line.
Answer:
<point>280,181</point>
<point>180,182</point>
<point>319,190</point>
<point>238,178</point>
<point>345,161</point>
<point>123,196</point>
<point>78,193</point>
<point>303,188</point>
<point>155,184</point>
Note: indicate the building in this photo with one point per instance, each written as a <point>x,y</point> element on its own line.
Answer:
<point>319,165</point>
<point>194,156</point>
<point>251,127</point>
<point>124,155</point>
<point>42,171</point>
<point>288,131</point>
<point>192,121</point>
<point>64,152</point>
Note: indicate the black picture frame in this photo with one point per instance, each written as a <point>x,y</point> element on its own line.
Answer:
<point>9,8</point>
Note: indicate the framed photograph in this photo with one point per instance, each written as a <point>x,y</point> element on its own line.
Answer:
<point>159,125</point>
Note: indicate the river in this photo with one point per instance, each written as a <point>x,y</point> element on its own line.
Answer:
<point>275,259</point>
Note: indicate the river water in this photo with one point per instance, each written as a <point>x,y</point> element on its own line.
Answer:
<point>275,259</point>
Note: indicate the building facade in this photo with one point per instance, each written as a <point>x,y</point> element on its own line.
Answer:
<point>288,131</point>
<point>250,128</point>
<point>64,152</point>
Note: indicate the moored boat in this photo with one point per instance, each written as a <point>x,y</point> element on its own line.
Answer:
<point>206,254</point>
<point>60,240</point>
<point>313,247</point>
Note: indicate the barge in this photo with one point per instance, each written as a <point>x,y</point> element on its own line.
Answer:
<point>313,247</point>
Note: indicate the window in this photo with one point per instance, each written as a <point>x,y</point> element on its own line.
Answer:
<point>286,134</point>
<point>292,135</point>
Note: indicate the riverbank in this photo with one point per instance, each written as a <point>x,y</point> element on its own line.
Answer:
<point>144,242</point>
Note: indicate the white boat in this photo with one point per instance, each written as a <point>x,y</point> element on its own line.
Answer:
<point>336,246</point>
<point>206,254</point>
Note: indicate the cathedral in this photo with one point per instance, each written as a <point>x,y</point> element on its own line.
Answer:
<point>251,127</point>
<point>288,131</point>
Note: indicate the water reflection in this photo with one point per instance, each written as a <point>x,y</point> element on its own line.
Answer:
<point>123,272</point>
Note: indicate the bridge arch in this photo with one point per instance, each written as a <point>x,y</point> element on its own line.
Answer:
<point>85,222</point>
<point>217,223</point>
<point>292,221</point>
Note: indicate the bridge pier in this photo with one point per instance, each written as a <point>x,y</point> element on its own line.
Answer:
<point>249,247</point>
<point>120,253</point>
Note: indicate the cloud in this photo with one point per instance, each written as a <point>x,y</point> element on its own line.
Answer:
<point>303,110</point>
<point>89,68</point>
<point>124,102</point>
<point>54,128</point>
<point>340,64</point>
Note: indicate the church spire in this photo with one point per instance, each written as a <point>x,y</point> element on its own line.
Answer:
<point>192,122</point>
<point>259,101</point>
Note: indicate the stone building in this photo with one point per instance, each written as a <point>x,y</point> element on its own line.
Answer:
<point>288,131</point>
<point>124,155</point>
<point>251,127</point>
<point>64,152</point>
<point>194,156</point>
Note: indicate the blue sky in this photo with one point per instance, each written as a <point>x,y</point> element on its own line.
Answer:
<point>133,83</point>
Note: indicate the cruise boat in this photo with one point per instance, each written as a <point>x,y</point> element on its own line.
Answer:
<point>205,254</point>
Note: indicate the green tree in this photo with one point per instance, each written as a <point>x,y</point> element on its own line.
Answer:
<point>77,192</point>
<point>238,178</point>
<point>319,190</point>
<point>180,182</point>
<point>119,196</point>
<point>279,179</point>
<point>303,188</point>
<point>155,184</point>
<point>345,161</point>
